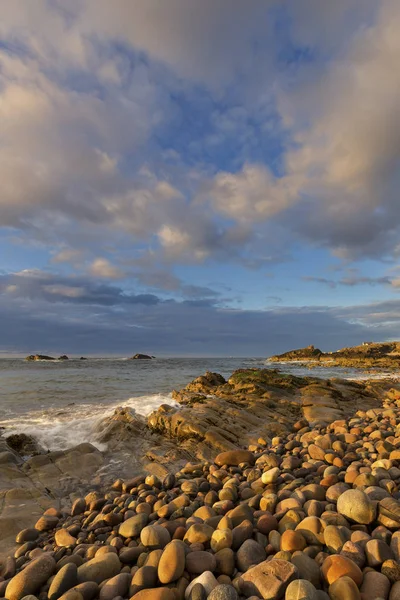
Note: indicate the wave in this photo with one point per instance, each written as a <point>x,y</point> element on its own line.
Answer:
<point>65,427</point>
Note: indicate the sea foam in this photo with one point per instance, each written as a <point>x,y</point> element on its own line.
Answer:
<point>64,427</point>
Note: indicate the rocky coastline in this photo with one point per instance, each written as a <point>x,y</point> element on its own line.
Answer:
<point>262,486</point>
<point>369,355</point>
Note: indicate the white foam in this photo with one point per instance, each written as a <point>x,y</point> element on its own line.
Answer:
<point>63,428</point>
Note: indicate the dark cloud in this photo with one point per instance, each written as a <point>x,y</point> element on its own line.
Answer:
<point>351,281</point>
<point>37,285</point>
<point>53,314</point>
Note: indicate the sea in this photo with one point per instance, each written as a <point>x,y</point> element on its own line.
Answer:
<point>61,402</point>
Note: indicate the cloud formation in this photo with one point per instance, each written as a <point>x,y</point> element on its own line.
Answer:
<point>138,139</point>
<point>53,314</point>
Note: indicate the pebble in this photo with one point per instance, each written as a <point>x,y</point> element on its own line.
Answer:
<point>375,585</point>
<point>345,588</point>
<point>64,580</point>
<point>315,508</point>
<point>301,589</point>
<point>206,579</point>
<point>172,562</point>
<point>223,592</point>
<point>31,578</point>
<point>133,526</point>
<point>100,568</point>
<point>356,506</point>
<point>250,553</point>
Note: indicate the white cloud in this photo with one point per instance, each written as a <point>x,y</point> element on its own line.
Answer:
<point>101,267</point>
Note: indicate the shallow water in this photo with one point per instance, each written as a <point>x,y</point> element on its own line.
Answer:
<point>60,402</point>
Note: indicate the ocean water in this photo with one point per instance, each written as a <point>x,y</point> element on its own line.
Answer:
<point>60,402</point>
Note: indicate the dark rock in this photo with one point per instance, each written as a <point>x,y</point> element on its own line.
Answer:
<point>250,553</point>
<point>39,357</point>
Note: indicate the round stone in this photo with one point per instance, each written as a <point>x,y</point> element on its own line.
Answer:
<point>250,553</point>
<point>375,585</point>
<point>206,579</point>
<point>337,566</point>
<point>199,533</point>
<point>27,535</point>
<point>199,561</point>
<point>30,580</point>
<point>223,592</point>
<point>100,568</point>
<point>301,589</point>
<point>64,539</point>
<point>155,536</point>
<point>221,538</point>
<point>155,594</point>
<point>133,526</point>
<point>233,458</point>
<point>292,541</point>
<point>172,562</point>
<point>116,586</point>
<point>377,552</point>
<point>356,506</point>
<point>46,522</point>
<point>64,580</point>
<point>344,588</point>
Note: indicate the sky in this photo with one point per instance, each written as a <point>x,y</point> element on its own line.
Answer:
<point>198,177</point>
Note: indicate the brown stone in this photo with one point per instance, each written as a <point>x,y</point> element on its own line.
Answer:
<point>337,566</point>
<point>269,579</point>
<point>234,458</point>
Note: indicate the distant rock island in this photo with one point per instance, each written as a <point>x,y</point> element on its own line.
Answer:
<point>366,355</point>
<point>33,357</point>
<point>141,357</point>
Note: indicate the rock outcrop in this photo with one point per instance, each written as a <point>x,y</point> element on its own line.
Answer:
<point>217,415</point>
<point>39,357</point>
<point>141,357</point>
<point>368,355</point>
<point>314,514</point>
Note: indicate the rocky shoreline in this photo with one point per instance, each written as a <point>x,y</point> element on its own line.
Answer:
<point>263,486</point>
<point>371,356</point>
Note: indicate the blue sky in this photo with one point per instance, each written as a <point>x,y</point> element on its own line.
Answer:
<point>202,178</point>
